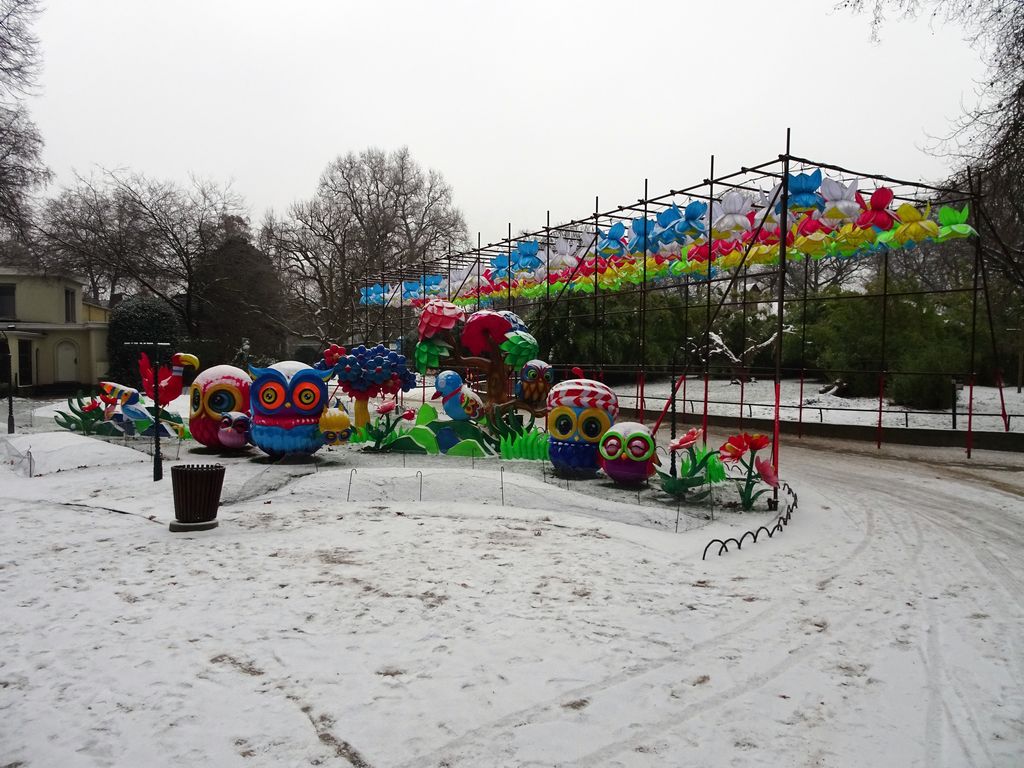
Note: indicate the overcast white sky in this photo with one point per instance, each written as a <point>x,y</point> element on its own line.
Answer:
<point>524,106</point>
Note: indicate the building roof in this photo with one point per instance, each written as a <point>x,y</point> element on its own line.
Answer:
<point>44,274</point>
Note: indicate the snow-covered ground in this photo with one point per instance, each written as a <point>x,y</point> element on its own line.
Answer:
<point>333,625</point>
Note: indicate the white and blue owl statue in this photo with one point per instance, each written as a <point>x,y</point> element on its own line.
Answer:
<point>288,399</point>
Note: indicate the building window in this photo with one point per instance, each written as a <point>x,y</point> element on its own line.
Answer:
<point>69,307</point>
<point>7,302</point>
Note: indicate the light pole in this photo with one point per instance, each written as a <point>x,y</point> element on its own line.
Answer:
<point>157,347</point>
<point>10,381</point>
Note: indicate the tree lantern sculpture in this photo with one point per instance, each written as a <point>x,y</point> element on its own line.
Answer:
<point>490,342</point>
<point>367,372</point>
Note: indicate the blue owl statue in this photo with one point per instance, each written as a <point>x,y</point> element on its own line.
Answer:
<point>580,411</point>
<point>288,399</point>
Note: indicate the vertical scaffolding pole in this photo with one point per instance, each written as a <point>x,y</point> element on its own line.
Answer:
<point>883,372</point>
<point>974,330</point>
<point>384,310</point>
<point>478,271</point>
<point>547,279</point>
<point>803,350</point>
<point>780,309</point>
<point>707,310</point>
<point>743,348</point>
<point>366,310</point>
<point>596,239</point>
<point>641,400</point>
<point>686,338</point>
<point>975,212</point>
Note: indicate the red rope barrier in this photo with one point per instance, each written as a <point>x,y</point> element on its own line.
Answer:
<point>775,428</point>
<point>1002,402</point>
<point>881,396</point>
<point>704,418</point>
<point>970,417</point>
<point>800,411</point>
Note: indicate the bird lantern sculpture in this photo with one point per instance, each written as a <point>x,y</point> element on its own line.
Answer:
<point>460,403</point>
<point>169,380</point>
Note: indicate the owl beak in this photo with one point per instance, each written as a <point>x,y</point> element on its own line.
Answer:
<point>287,405</point>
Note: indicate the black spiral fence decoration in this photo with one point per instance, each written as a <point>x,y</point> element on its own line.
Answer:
<point>790,503</point>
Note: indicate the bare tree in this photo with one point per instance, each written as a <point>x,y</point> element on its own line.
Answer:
<point>183,226</point>
<point>19,47</point>
<point>989,136</point>
<point>92,230</point>
<point>373,212</point>
<point>21,166</point>
<point>133,232</point>
<point>312,249</point>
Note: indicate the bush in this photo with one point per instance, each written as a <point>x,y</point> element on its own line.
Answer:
<point>928,389</point>
<point>143,318</point>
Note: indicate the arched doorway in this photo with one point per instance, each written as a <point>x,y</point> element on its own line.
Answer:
<point>67,361</point>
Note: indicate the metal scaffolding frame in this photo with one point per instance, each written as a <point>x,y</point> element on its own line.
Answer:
<point>712,293</point>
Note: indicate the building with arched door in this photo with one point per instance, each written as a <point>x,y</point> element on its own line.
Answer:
<point>54,336</point>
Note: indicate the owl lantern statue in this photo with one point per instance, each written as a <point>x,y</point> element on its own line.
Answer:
<point>335,425</point>
<point>216,393</point>
<point>535,381</point>
<point>580,411</point>
<point>288,399</point>
<point>627,453</point>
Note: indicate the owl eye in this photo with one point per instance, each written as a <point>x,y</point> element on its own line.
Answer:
<point>330,437</point>
<point>549,376</point>
<point>306,396</point>
<point>611,446</point>
<point>593,423</point>
<point>562,423</point>
<point>196,399</point>
<point>271,395</point>
<point>531,374</point>
<point>222,398</point>
<point>640,447</point>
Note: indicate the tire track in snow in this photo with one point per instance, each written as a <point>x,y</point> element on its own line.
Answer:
<point>801,654</point>
<point>489,731</point>
<point>945,693</point>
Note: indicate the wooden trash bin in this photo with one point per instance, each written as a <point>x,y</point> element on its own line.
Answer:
<point>196,496</point>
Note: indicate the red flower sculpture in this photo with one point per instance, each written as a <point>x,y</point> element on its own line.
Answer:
<point>757,441</point>
<point>438,315</point>
<point>767,472</point>
<point>386,407</point>
<point>735,448</point>
<point>332,354</point>
<point>876,215</point>
<point>685,441</point>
